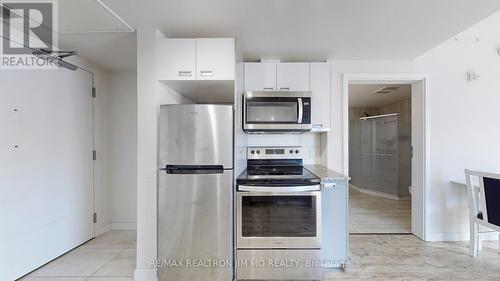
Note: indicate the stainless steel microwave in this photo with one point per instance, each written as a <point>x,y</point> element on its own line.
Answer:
<point>277,112</point>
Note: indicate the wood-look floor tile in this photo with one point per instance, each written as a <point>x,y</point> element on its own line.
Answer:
<point>373,214</point>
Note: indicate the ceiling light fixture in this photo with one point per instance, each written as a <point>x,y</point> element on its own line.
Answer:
<point>385,90</point>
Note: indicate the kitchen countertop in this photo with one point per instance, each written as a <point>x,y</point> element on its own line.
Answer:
<point>326,175</point>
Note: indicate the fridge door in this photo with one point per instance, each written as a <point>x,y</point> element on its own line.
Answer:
<point>196,134</point>
<point>195,225</point>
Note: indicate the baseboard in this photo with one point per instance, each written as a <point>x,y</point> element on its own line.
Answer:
<point>145,275</point>
<point>458,236</point>
<point>102,229</point>
<point>123,226</point>
<point>380,194</point>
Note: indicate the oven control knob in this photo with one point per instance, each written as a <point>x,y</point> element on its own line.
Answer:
<point>291,151</point>
<point>297,151</point>
<point>253,151</point>
<point>258,151</point>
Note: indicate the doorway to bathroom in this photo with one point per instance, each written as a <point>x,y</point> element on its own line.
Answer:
<point>420,137</point>
<point>380,158</point>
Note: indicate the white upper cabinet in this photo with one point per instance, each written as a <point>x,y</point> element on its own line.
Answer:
<point>176,59</point>
<point>215,59</point>
<point>320,87</point>
<point>196,59</point>
<point>260,76</point>
<point>293,76</point>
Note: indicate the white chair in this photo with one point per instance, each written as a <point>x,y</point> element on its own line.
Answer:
<point>484,206</point>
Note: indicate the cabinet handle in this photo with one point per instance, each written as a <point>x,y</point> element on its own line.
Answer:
<point>268,89</point>
<point>185,73</point>
<point>317,125</point>
<point>285,88</point>
<point>206,73</point>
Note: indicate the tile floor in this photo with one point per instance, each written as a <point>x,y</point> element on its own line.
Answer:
<point>111,257</point>
<point>373,214</point>
<point>405,257</point>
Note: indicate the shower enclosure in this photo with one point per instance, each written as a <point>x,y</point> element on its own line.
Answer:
<point>379,155</point>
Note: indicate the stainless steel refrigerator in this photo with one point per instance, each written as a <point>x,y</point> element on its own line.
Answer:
<point>195,192</point>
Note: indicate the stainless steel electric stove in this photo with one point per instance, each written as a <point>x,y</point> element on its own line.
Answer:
<point>278,216</point>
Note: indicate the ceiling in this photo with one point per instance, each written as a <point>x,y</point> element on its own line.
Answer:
<point>361,95</point>
<point>303,29</point>
<point>109,51</point>
<point>98,36</point>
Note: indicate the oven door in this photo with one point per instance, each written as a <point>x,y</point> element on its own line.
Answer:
<point>276,111</point>
<point>279,219</point>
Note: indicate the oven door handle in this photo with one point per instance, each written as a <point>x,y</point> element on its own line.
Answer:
<point>279,189</point>
<point>301,110</point>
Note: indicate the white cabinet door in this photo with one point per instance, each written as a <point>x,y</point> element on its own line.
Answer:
<point>215,59</point>
<point>320,88</point>
<point>176,59</point>
<point>260,76</point>
<point>293,76</point>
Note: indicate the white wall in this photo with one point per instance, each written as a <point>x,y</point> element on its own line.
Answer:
<point>147,124</point>
<point>118,153</point>
<point>339,68</point>
<point>150,93</point>
<point>464,121</point>
<point>101,179</point>
<point>168,96</point>
<point>102,194</point>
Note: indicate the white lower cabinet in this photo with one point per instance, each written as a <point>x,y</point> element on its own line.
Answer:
<point>321,89</point>
<point>334,227</point>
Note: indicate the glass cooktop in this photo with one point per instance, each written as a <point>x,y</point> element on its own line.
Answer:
<point>277,174</point>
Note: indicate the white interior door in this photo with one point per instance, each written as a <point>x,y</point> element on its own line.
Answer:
<point>46,173</point>
<point>418,158</point>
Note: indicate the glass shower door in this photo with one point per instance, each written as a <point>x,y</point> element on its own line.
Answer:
<point>379,154</point>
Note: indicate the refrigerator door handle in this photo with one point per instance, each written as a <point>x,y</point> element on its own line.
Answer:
<point>194,169</point>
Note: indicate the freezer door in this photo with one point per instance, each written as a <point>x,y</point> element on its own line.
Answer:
<point>195,225</point>
<point>196,134</point>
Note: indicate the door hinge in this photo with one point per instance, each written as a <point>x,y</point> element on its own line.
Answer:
<point>94,155</point>
<point>412,152</point>
<point>95,217</point>
<point>94,92</point>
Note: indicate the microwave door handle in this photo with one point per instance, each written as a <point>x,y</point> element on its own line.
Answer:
<point>301,110</point>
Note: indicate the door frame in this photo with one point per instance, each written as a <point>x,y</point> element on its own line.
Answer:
<point>419,218</point>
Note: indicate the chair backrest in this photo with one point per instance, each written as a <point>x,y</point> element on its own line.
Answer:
<point>484,197</point>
